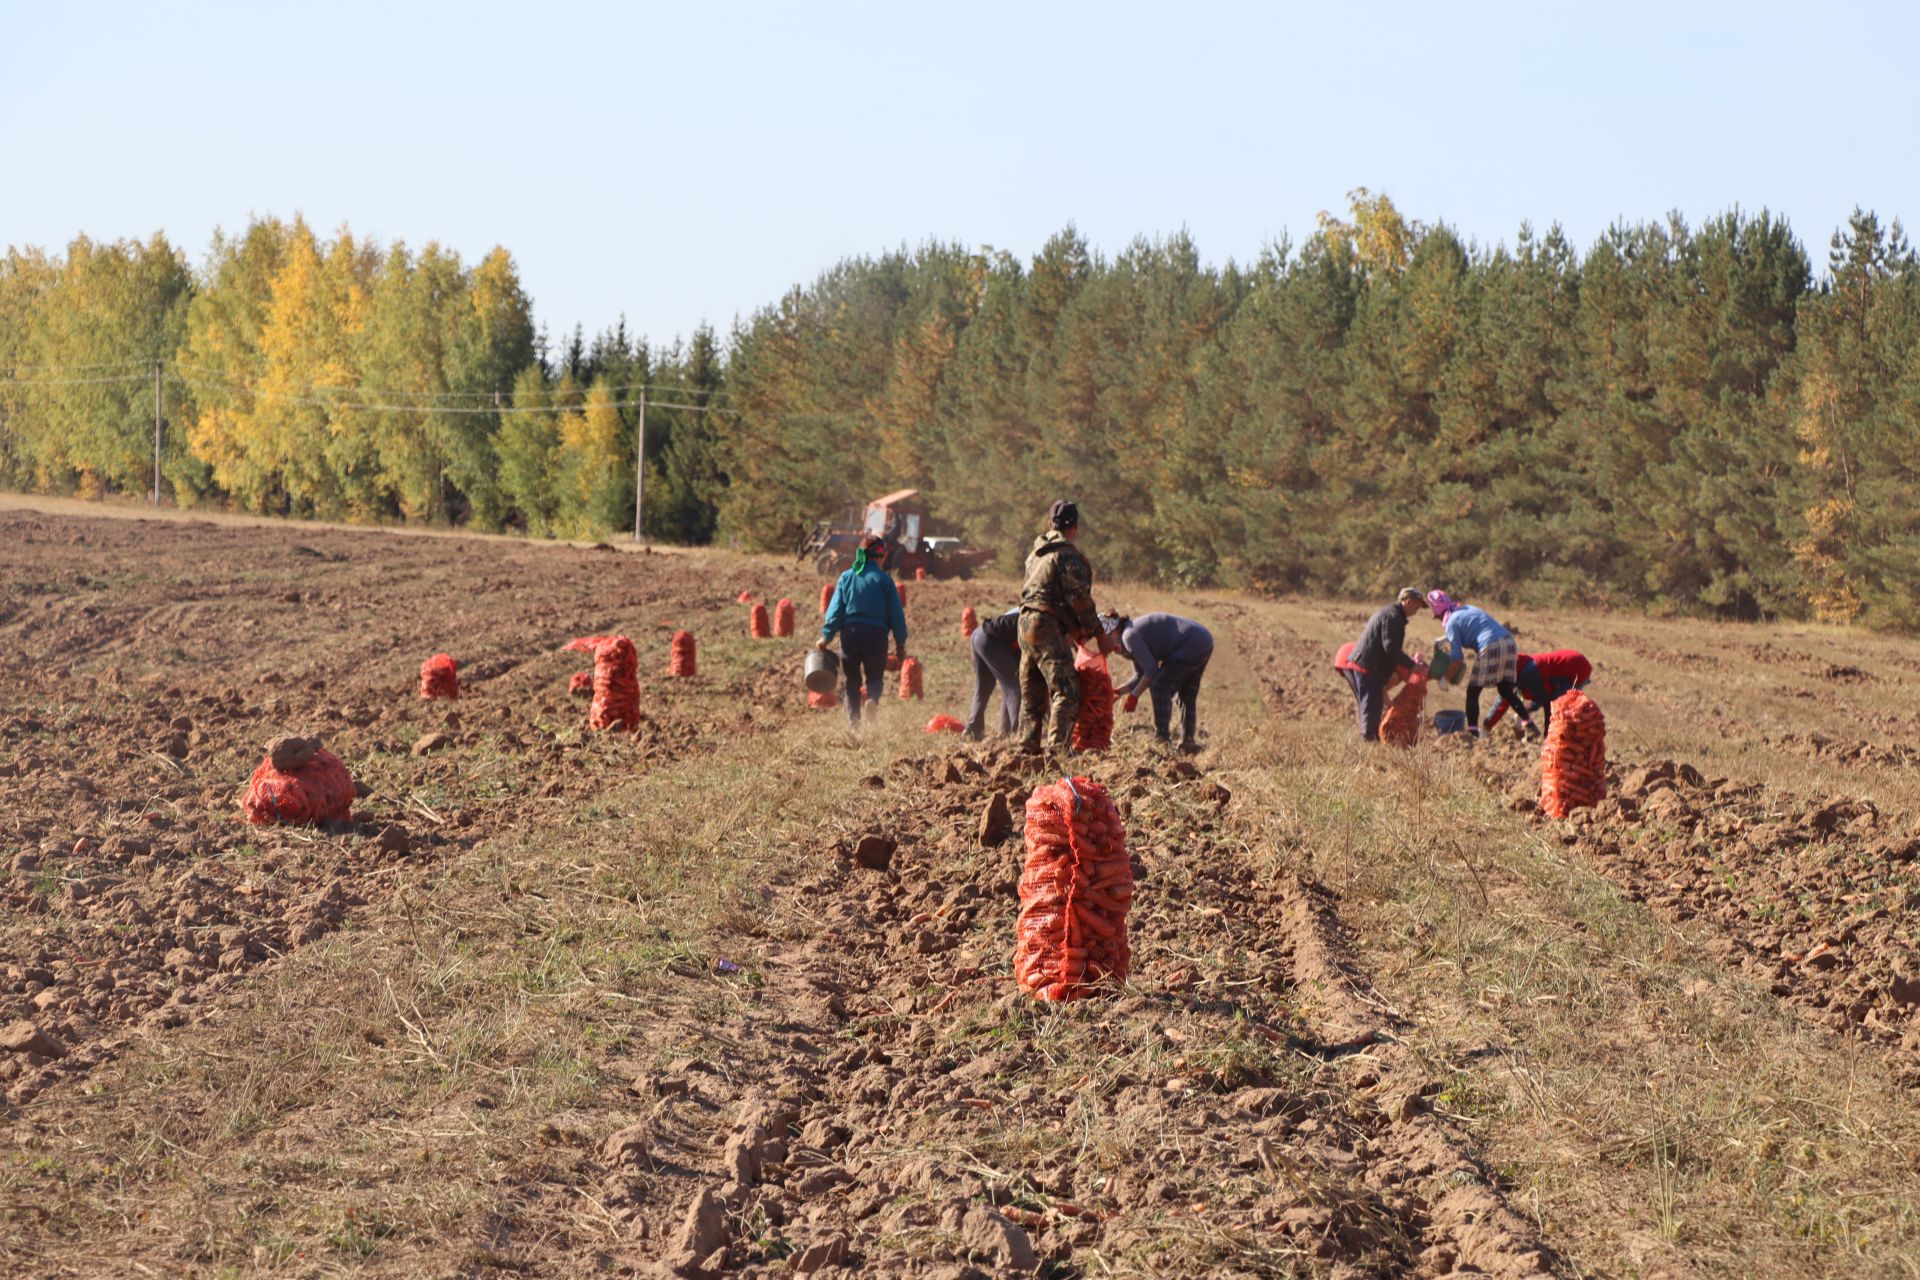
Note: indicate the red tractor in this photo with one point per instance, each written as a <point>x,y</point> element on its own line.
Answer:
<point>901,518</point>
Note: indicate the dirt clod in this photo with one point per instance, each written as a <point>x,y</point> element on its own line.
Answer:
<point>394,839</point>
<point>875,852</point>
<point>292,752</point>
<point>431,742</point>
<point>25,1037</point>
<point>989,1237</point>
<point>996,824</point>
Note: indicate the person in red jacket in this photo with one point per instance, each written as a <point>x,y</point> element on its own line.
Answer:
<point>1542,677</point>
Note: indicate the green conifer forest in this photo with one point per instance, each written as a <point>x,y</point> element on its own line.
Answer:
<point>1705,419</point>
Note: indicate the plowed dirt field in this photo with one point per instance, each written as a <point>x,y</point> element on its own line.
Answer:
<point>732,995</point>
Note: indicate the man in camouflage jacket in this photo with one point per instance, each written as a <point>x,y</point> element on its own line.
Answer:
<point>1056,613</point>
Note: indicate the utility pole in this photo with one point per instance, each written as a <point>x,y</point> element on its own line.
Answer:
<point>156,433</point>
<point>639,462</point>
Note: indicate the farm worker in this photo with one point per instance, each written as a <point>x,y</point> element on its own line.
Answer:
<point>1169,655</point>
<point>1542,677</point>
<point>1056,613</point>
<point>864,608</point>
<point>1372,662</point>
<point>1496,660</point>
<point>996,664</point>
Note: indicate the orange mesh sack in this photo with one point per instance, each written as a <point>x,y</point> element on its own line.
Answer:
<point>757,625</point>
<point>616,682</point>
<point>826,597</point>
<point>439,678</point>
<point>682,659</point>
<point>1074,893</point>
<point>828,699</point>
<point>309,794</point>
<point>783,617</point>
<point>1093,727</point>
<point>969,623</point>
<point>1573,763</point>
<point>945,724</point>
<point>1401,724</point>
<point>580,685</point>
<point>745,596</point>
<point>911,680</point>
<point>920,573</point>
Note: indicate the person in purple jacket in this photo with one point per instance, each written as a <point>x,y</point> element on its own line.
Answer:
<point>1169,655</point>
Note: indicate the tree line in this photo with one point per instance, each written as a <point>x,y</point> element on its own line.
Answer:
<point>342,380</point>
<point>1689,418</point>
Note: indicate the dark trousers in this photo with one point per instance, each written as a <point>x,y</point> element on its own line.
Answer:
<point>1178,678</point>
<point>1369,701</point>
<point>994,666</point>
<point>1509,694</point>
<point>863,656</point>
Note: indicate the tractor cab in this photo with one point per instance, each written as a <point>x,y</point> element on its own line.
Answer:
<point>897,518</point>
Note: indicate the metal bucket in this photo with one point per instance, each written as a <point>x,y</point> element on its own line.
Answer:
<point>823,670</point>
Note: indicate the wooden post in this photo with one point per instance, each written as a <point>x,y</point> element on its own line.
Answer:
<point>156,433</point>
<point>639,462</point>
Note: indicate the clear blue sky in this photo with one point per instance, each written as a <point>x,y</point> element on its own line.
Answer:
<point>691,162</point>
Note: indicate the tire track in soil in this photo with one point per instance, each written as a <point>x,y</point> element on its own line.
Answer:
<point>889,1102</point>
<point>1812,897</point>
<point>130,891</point>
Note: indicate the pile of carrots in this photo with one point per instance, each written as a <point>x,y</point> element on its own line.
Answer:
<point>1093,727</point>
<point>438,678</point>
<point>1074,893</point>
<point>1573,762</point>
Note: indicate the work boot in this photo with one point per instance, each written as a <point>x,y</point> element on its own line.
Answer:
<point>1188,747</point>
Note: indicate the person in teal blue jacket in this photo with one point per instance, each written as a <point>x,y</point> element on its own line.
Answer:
<point>864,608</point>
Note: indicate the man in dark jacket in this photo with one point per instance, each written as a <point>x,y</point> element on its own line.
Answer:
<point>1056,613</point>
<point>1372,659</point>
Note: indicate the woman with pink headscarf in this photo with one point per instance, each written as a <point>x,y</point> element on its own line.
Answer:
<point>1496,656</point>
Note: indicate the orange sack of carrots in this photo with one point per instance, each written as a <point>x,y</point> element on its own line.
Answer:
<point>945,724</point>
<point>580,685</point>
<point>1093,727</point>
<point>439,678</point>
<point>1573,763</point>
<point>826,597</point>
<point>757,625</point>
<point>616,682</point>
<point>912,681</point>
<point>1401,724</point>
<point>783,617</point>
<point>969,622</point>
<point>1074,893</point>
<point>820,700</point>
<point>300,783</point>
<point>682,658</point>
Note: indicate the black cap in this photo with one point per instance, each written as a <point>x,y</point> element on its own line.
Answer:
<point>1063,515</point>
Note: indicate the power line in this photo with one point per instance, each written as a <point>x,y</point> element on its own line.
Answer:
<point>73,382</point>
<point>431,410</point>
<point>394,393</point>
